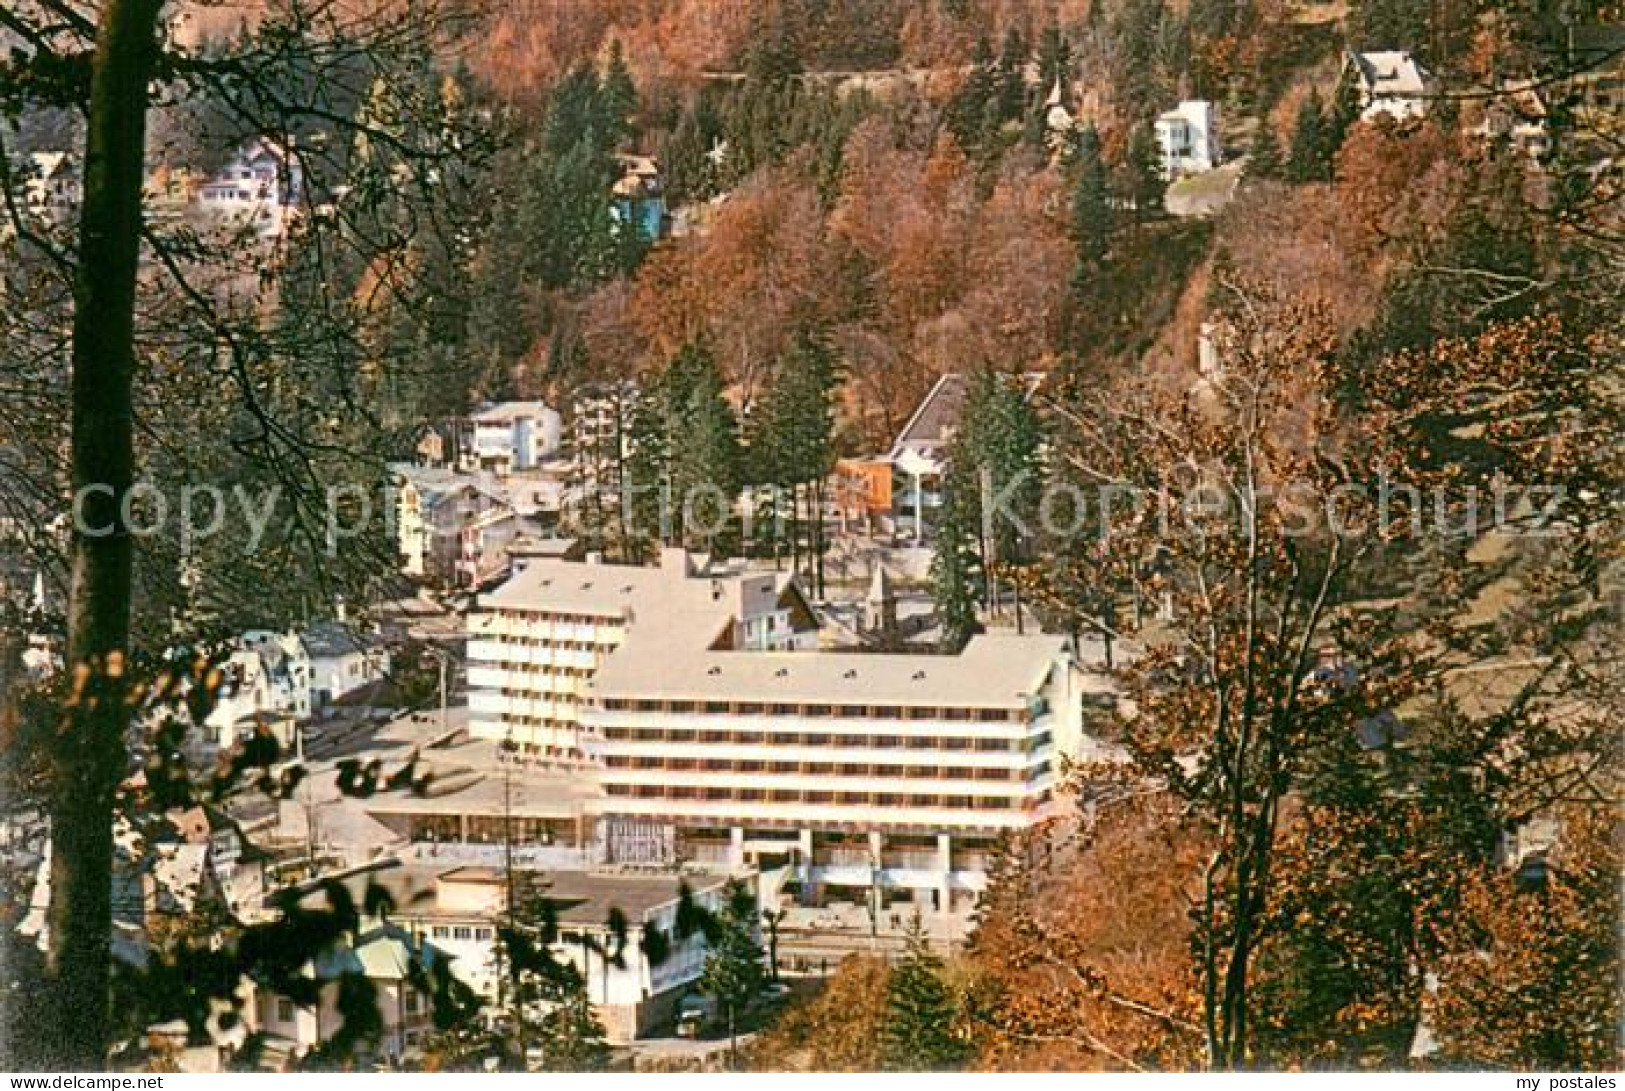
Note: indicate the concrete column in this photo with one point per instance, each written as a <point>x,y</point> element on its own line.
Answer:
<point>945,867</point>
<point>804,848</point>
<point>736,847</point>
<point>919,508</point>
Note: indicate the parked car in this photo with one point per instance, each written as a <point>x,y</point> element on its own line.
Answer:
<point>696,1014</point>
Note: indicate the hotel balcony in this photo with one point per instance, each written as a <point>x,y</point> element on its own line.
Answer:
<point>800,724</point>
<point>883,817</point>
<point>1013,790</point>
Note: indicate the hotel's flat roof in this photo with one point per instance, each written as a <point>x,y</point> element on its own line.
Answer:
<point>994,671</point>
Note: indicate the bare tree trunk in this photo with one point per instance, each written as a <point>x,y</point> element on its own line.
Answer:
<point>88,760</point>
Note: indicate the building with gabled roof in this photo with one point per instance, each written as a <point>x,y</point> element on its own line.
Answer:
<point>1390,82</point>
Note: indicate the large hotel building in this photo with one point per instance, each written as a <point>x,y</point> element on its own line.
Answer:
<point>715,730</point>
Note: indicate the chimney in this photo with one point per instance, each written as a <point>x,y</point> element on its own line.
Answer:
<point>675,561</point>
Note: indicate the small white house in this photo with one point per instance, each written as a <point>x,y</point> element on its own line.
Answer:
<point>51,185</point>
<point>261,186</point>
<point>1188,139</point>
<point>341,662</point>
<point>393,960</point>
<point>457,911</point>
<point>514,436</point>
<point>267,679</point>
<point>1391,82</point>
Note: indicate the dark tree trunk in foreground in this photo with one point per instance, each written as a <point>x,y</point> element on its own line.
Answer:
<point>88,751</point>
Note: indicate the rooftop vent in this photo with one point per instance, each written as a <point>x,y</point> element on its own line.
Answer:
<point>714,670</point>
<point>782,672</point>
<point>850,674</point>
<point>919,676</point>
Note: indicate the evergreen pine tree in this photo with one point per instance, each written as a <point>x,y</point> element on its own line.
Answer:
<point>953,573</point>
<point>967,111</point>
<point>1091,206</point>
<point>1143,169</point>
<point>1012,82</point>
<point>733,972</point>
<point>791,439</point>
<point>685,456</point>
<point>1264,159</point>
<point>1054,56</point>
<point>618,97</point>
<point>918,1034</point>
<point>1310,161</point>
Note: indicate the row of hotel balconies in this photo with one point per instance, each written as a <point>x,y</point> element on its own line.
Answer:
<point>855,784</point>
<point>679,755</point>
<point>873,722</point>
<point>537,628</point>
<point>491,656</point>
<point>562,707</point>
<point>993,816</point>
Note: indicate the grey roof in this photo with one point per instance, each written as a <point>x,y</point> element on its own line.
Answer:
<point>935,420</point>
<point>936,417</point>
<point>655,597</point>
<point>1596,43</point>
<point>993,671</point>
<point>586,897</point>
<point>328,639</point>
<point>436,484</point>
<point>1392,72</point>
<point>533,794</point>
<point>507,411</point>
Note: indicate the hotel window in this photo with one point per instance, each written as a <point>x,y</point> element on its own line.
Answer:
<point>284,1010</point>
<point>853,712</point>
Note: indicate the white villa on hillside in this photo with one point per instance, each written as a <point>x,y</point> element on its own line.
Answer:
<point>513,436</point>
<point>1188,139</point>
<point>1391,82</point>
<point>260,187</point>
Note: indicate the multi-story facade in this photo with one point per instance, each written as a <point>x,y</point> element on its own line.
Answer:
<point>540,638</point>
<point>513,436</point>
<point>855,771</point>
